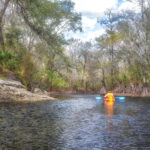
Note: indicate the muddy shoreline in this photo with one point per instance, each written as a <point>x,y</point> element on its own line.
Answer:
<point>53,93</point>
<point>15,91</point>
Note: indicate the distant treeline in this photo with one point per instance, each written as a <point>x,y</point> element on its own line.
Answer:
<point>33,47</point>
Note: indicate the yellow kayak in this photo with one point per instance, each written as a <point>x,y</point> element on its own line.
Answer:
<point>111,99</point>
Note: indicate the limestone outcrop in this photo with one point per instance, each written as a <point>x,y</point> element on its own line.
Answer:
<point>11,90</point>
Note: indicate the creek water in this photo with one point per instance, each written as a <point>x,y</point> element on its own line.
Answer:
<point>78,123</point>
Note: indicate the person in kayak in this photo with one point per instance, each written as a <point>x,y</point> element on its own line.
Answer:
<point>109,97</point>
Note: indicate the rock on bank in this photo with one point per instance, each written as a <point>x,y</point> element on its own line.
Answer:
<point>11,90</point>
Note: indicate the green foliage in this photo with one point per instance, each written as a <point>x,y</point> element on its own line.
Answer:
<point>12,37</point>
<point>49,74</point>
<point>108,82</point>
<point>79,84</point>
<point>32,22</point>
<point>45,18</point>
<point>124,78</point>
<point>113,38</point>
<point>148,76</point>
<point>135,73</point>
<point>28,73</point>
<point>8,60</point>
<point>55,80</point>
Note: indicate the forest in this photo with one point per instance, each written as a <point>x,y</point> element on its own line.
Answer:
<point>34,48</point>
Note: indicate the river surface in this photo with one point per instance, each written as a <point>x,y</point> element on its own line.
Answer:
<point>78,123</point>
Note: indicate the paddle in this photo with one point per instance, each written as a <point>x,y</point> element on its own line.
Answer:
<point>117,99</point>
<point>98,99</point>
<point>120,99</point>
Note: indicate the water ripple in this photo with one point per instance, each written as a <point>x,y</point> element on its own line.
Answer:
<point>76,124</point>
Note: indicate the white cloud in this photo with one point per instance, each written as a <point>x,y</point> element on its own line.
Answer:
<point>94,34</point>
<point>86,36</point>
<point>91,9</point>
<point>94,7</point>
<point>88,23</point>
<point>91,30</point>
<point>128,5</point>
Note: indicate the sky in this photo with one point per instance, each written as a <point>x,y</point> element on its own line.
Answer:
<point>93,9</point>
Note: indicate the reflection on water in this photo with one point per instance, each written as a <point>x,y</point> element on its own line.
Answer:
<point>109,106</point>
<point>79,123</point>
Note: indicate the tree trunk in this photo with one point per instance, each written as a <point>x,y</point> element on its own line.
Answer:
<point>103,78</point>
<point>2,12</point>
<point>144,90</point>
<point>1,37</point>
<point>112,65</point>
<point>86,86</point>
